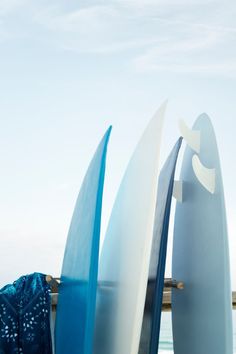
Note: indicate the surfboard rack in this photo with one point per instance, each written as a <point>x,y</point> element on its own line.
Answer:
<point>53,282</point>
<point>172,283</point>
<point>169,284</point>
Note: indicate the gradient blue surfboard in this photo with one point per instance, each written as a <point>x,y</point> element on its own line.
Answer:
<point>77,292</point>
<point>152,316</point>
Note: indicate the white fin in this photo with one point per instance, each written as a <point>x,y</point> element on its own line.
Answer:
<point>206,176</point>
<point>192,137</point>
<point>178,191</point>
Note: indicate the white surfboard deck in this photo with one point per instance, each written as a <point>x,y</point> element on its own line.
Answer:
<point>124,264</point>
<point>201,313</point>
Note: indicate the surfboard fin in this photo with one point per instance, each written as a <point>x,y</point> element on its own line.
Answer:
<point>192,137</point>
<point>206,176</point>
<point>178,191</point>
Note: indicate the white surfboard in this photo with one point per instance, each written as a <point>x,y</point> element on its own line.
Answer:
<point>201,313</point>
<point>124,264</point>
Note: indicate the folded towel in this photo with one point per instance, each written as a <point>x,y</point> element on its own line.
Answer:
<point>25,316</point>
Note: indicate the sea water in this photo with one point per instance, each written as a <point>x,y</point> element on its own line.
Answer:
<point>166,340</point>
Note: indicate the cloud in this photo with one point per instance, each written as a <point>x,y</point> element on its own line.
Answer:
<point>8,6</point>
<point>198,49</point>
<point>90,29</point>
<point>80,20</point>
<point>157,35</point>
<point>152,36</point>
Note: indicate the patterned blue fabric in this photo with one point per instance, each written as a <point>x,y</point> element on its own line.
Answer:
<point>25,316</point>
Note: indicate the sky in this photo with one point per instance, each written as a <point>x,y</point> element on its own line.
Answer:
<point>69,69</point>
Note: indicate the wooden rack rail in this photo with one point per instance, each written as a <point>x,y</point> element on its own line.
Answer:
<point>166,303</point>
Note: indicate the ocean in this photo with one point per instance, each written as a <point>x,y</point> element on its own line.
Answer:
<point>166,340</point>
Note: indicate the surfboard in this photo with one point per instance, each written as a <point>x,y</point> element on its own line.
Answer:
<point>201,313</point>
<point>77,292</point>
<point>151,321</point>
<point>125,257</point>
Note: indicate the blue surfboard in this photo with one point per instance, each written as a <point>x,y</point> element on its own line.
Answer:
<point>152,316</point>
<point>77,292</point>
<point>202,312</point>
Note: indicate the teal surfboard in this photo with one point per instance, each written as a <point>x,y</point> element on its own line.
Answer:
<point>201,313</point>
<point>125,257</point>
<point>151,321</point>
<point>77,292</point>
